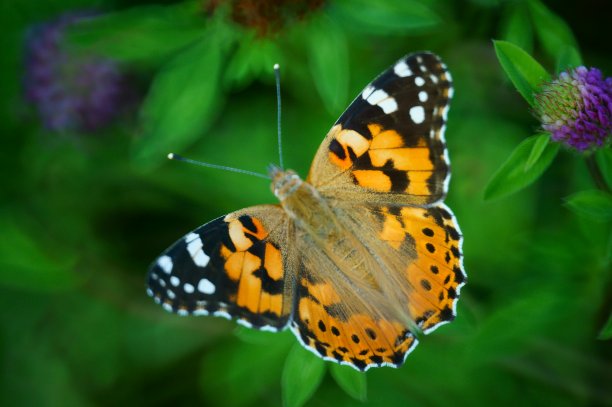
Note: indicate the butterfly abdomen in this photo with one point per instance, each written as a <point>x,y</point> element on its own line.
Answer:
<point>305,206</point>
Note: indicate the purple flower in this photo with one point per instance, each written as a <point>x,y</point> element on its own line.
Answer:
<point>70,92</point>
<point>576,108</point>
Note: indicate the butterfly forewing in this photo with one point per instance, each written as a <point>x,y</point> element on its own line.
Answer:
<point>233,266</point>
<point>389,144</point>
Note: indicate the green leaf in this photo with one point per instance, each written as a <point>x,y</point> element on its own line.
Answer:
<point>594,204</point>
<point>553,32</point>
<point>518,28</point>
<point>539,146</point>
<point>385,16</point>
<point>606,331</point>
<point>328,62</point>
<point>140,34</point>
<point>255,57</point>
<point>525,72</point>
<point>183,99</point>
<point>252,336</point>
<point>513,175</point>
<point>515,322</point>
<point>568,57</point>
<point>302,375</point>
<point>350,380</point>
<point>237,374</point>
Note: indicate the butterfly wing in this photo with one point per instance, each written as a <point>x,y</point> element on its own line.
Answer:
<point>345,328</point>
<point>389,144</point>
<point>235,266</point>
<point>413,268</point>
<point>384,170</point>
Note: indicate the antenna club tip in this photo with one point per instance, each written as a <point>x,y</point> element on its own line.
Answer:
<point>276,67</point>
<point>171,156</point>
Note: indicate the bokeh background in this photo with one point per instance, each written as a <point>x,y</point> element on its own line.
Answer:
<point>94,94</point>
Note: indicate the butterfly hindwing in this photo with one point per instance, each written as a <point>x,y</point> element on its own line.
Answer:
<point>233,266</point>
<point>390,140</point>
<point>424,246</point>
<point>347,333</point>
<point>404,275</point>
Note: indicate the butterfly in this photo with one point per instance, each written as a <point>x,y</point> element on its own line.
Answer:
<point>356,260</point>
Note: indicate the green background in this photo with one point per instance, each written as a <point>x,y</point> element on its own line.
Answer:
<point>83,215</point>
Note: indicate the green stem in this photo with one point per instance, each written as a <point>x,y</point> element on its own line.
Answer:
<point>596,173</point>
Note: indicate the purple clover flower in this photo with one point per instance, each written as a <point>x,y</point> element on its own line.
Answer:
<point>70,92</point>
<point>576,108</point>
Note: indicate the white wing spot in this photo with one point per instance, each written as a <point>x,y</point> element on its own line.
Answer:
<point>191,237</point>
<point>200,311</point>
<point>402,69</point>
<point>417,114</point>
<point>388,105</point>
<point>165,263</point>
<point>201,259</point>
<point>419,81</point>
<point>162,283</point>
<point>423,96</point>
<point>170,294</point>
<point>433,78</point>
<point>150,292</point>
<point>222,314</point>
<point>194,247</point>
<point>367,92</point>
<point>377,96</point>
<point>188,288</point>
<point>381,99</point>
<point>175,281</point>
<point>167,306</point>
<point>268,328</point>
<point>441,133</point>
<point>244,322</point>
<point>182,312</point>
<point>206,287</point>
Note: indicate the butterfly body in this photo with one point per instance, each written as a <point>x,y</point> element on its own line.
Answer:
<point>357,258</point>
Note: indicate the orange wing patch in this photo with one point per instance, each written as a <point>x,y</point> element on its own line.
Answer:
<point>323,325</point>
<point>382,162</point>
<point>348,144</point>
<point>436,275</point>
<point>373,179</point>
<point>255,265</point>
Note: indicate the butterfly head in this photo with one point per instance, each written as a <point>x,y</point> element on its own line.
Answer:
<point>284,182</point>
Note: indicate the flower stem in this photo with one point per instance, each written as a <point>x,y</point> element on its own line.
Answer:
<point>596,173</point>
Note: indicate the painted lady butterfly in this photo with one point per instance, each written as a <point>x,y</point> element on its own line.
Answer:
<point>358,258</point>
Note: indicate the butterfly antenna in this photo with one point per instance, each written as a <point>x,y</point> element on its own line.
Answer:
<point>177,157</point>
<point>278,112</point>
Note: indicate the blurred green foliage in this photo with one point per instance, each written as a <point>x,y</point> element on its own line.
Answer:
<point>82,215</point>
